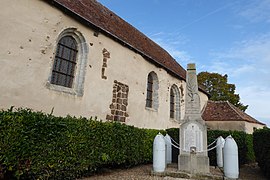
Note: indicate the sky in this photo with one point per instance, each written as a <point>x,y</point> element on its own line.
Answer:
<point>222,36</point>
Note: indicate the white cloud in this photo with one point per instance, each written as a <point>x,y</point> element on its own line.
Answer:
<point>256,11</point>
<point>251,56</point>
<point>170,42</point>
<point>258,100</point>
<point>169,38</point>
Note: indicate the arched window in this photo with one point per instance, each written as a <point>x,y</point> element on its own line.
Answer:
<point>152,91</point>
<point>65,62</point>
<point>70,61</point>
<point>175,103</point>
<point>149,97</point>
<point>172,103</point>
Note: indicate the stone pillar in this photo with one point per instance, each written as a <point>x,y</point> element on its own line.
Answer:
<point>193,157</point>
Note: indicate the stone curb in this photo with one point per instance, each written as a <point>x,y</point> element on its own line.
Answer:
<point>179,174</point>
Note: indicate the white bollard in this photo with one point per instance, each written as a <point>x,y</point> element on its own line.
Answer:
<point>231,166</point>
<point>219,151</point>
<point>159,163</point>
<point>168,149</point>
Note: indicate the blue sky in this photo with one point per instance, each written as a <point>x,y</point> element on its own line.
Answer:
<point>226,36</point>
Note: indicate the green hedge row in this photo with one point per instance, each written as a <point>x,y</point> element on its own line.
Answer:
<point>34,145</point>
<point>262,149</point>
<point>244,142</point>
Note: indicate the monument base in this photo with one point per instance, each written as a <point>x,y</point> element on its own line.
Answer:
<point>172,171</point>
<point>193,163</point>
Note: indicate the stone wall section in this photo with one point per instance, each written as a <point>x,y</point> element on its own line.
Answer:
<point>106,57</point>
<point>119,103</point>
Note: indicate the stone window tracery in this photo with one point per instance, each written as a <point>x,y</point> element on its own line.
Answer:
<point>175,103</point>
<point>70,61</point>
<point>172,103</point>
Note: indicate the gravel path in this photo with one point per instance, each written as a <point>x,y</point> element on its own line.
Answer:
<point>143,172</point>
<point>251,172</point>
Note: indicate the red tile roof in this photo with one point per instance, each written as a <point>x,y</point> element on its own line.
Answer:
<point>94,14</point>
<point>225,111</point>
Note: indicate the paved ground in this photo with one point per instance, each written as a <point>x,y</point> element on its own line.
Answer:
<point>143,172</point>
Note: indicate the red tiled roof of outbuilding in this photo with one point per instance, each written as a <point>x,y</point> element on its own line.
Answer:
<point>225,111</point>
<point>95,14</point>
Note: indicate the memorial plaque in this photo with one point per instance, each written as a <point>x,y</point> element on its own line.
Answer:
<point>193,137</point>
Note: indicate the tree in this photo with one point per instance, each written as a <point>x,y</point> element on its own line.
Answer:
<point>219,88</point>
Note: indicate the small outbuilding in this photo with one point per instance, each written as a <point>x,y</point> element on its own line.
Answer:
<point>222,115</point>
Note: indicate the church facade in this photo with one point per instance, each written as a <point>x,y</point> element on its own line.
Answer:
<point>81,59</point>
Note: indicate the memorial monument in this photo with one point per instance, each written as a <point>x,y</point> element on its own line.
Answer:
<point>193,155</point>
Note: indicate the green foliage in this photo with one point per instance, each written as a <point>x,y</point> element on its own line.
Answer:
<point>250,153</point>
<point>243,140</point>
<point>262,149</point>
<point>219,88</point>
<point>174,133</point>
<point>34,145</point>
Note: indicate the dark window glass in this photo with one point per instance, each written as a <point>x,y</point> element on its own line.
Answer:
<point>172,103</point>
<point>149,96</point>
<point>65,62</point>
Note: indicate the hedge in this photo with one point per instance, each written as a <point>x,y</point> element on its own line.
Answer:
<point>262,149</point>
<point>34,145</point>
<point>243,140</point>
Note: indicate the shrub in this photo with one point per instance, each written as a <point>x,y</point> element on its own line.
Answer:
<point>243,140</point>
<point>34,145</point>
<point>262,149</point>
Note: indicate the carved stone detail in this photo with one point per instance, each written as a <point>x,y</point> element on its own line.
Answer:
<point>193,107</point>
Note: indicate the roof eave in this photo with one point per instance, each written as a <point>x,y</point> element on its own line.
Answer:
<point>242,120</point>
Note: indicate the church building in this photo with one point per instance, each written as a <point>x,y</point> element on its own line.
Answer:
<point>79,58</point>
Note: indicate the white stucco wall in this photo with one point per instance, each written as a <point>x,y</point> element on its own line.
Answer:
<point>250,127</point>
<point>233,125</point>
<point>30,30</point>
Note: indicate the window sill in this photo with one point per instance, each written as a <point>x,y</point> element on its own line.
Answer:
<point>151,109</point>
<point>175,120</point>
<point>62,89</point>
